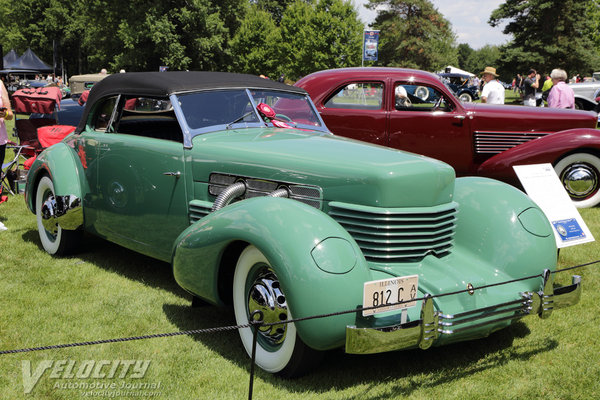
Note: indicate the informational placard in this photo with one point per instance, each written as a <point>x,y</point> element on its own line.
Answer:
<point>370,45</point>
<point>543,186</point>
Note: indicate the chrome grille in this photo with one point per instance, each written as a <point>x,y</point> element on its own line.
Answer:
<point>398,234</point>
<point>497,142</point>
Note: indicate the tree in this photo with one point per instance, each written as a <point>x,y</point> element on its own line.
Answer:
<point>547,34</point>
<point>594,23</point>
<point>274,7</point>
<point>464,53</point>
<point>413,34</point>
<point>255,43</point>
<point>486,56</point>
<point>136,35</point>
<point>319,34</point>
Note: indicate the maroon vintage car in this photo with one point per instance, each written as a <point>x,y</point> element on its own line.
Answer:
<point>414,111</point>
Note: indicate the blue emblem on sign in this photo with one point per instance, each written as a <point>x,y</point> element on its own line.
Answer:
<point>568,229</point>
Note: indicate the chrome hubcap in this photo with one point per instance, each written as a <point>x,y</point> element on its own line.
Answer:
<point>49,214</point>
<point>580,180</point>
<point>266,296</point>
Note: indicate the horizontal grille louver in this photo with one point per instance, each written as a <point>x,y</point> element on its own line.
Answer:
<point>398,235</point>
<point>494,143</point>
<point>198,210</point>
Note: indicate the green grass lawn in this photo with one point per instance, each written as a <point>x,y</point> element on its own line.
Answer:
<point>108,292</point>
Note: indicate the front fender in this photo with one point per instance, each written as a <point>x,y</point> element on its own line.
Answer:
<point>293,237</point>
<point>504,228</point>
<point>586,103</point>
<point>547,149</point>
<point>64,168</point>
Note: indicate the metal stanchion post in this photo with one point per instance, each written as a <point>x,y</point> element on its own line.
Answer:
<point>255,323</point>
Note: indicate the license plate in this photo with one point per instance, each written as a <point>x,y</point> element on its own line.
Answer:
<point>387,294</point>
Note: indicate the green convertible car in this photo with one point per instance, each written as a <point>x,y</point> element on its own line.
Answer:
<point>237,183</point>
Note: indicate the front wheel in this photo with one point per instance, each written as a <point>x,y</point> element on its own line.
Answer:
<point>580,174</point>
<point>55,240</point>
<point>465,97</point>
<point>279,350</point>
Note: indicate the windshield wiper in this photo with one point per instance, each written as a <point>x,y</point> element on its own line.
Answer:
<point>228,126</point>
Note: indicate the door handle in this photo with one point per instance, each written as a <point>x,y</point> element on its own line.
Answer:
<point>176,174</point>
<point>460,117</point>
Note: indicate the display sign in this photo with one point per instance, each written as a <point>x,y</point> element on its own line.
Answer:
<point>543,186</point>
<point>370,44</point>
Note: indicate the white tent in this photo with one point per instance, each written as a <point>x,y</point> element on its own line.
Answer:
<point>455,70</point>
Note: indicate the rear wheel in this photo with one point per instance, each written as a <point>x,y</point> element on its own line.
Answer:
<point>55,240</point>
<point>580,175</point>
<point>279,350</point>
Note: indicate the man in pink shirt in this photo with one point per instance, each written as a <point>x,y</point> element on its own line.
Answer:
<point>561,95</point>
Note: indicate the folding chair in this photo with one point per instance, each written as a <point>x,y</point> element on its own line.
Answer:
<point>9,174</point>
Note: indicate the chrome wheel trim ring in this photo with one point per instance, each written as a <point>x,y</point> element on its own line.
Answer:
<point>580,180</point>
<point>265,295</point>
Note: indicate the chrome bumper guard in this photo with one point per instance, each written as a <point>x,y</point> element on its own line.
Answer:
<point>422,333</point>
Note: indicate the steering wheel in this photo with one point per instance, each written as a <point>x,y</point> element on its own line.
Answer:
<point>438,103</point>
<point>283,117</point>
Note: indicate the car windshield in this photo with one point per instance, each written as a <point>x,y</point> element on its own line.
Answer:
<point>221,109</point>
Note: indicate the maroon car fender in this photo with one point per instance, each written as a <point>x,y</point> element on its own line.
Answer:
<point>547,149</point>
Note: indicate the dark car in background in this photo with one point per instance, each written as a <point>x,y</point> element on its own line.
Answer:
<point>461,85</point>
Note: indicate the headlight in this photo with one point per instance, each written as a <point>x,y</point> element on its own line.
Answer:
<point>334,255</point>
<point>535,222</point>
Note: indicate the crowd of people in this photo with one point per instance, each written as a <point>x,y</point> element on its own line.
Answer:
<point>534,90</point>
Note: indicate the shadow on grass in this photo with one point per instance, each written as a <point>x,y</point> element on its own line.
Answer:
<point>127,263</point>
<point>403,370</point>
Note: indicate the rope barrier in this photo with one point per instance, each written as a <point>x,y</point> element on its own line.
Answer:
<point>260,323</point>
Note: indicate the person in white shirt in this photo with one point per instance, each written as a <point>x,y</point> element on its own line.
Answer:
<point>493,91</point>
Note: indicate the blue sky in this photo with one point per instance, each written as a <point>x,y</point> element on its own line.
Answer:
<point>468,18</point>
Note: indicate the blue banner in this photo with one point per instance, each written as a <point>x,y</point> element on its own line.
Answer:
<point>370,44</point>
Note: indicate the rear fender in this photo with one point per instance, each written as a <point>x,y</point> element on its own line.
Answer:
<point>64,168</point>
<point>547,149</point>
<point>292,236</point>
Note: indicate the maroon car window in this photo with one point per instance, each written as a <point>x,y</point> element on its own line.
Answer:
<point>419,98</point>
<point>358,96</point>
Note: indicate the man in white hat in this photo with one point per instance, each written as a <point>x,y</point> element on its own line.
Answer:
<point>493,91</point>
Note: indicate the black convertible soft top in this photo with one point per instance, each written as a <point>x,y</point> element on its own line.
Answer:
<point>163,84</point>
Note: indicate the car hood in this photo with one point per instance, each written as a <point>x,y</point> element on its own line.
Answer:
<point>346,170</point>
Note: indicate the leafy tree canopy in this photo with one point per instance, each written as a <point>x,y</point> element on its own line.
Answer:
<point>292,37</point>
<point>548,34</point>
<point>319,34</point>
<point>413,34</point>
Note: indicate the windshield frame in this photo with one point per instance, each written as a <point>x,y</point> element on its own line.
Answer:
<point>190,133</point>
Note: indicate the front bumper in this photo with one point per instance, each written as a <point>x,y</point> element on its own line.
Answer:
<point>423,333</point>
